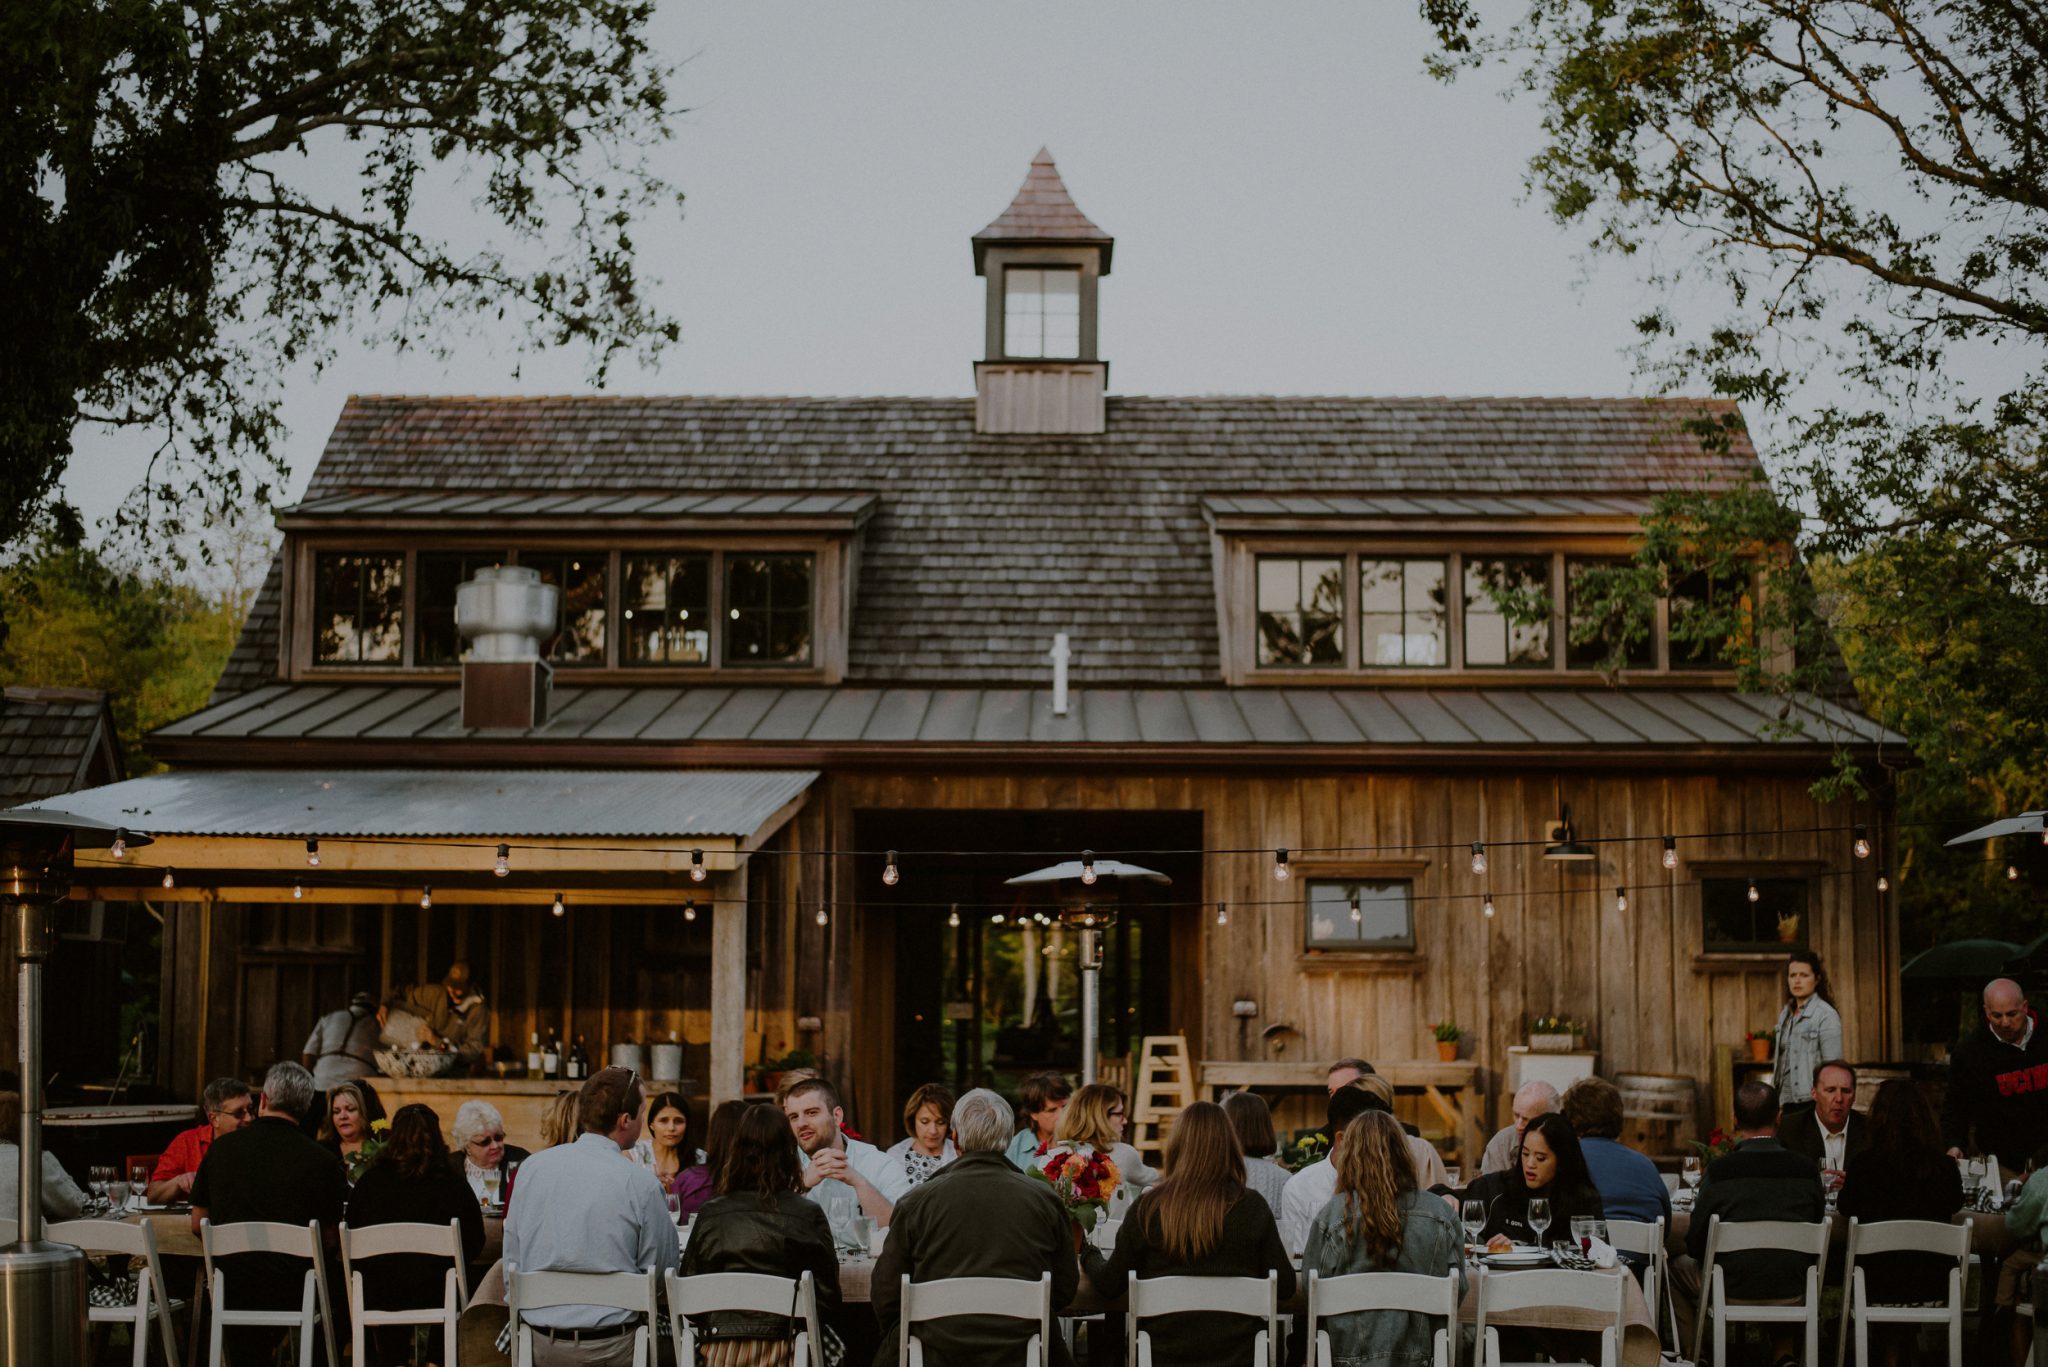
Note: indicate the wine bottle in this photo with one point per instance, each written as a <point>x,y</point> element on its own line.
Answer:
<point>551,1058</point>
<point>533,1064</point>
<point>579,1062</point>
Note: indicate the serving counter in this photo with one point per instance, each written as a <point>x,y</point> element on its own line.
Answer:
<point>520,1101</point>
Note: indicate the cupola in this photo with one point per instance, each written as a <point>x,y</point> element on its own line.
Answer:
<point>1042,258</point>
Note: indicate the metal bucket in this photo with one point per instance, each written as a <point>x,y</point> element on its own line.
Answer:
<point>630,1056</point>
<point>42,1306</point>
<point>668,1062</point>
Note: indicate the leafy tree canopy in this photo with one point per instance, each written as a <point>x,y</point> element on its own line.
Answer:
<point>196,196</point>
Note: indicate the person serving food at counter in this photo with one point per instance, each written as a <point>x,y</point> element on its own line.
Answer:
<point>448,1014</point>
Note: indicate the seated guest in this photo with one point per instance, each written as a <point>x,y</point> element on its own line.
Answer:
<point>1094,1120</point>
<point>480,1147</point>
<point>761,1223</point>
<point>1629,1185</point>
<point>718,1137</point>
<point>62,1198</point>
<point>1197,1220</point>
<point>847,1176</point>
<point>1903,1173</point>
<point>412,1181</point>
<point>2025,1219</point>
<point>1830,1132</point>
<point>228,1106</point>
<point>346,1127</point>
<point>665,1147</point>
<point>1533,1100</point>
<point>1760,1179</point>
<point>270,1171</point>
<point>583,1208</point>
<point>925,1147</point>
<point>1553,1168</point>
<point>1253,1122</point>
<point>1381,1221</point>
<point>558,1123</point>
<point>1040,1099</point>
<point>1344,1072</point>
<point>1311,1188</point>
<point>982,1218</point>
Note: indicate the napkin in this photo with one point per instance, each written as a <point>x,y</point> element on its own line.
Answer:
<point>1602,1253</point>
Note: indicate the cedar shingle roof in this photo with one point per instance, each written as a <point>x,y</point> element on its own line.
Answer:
<point>981,546</point>
<point>1043,211</point>
<point>55,740</point>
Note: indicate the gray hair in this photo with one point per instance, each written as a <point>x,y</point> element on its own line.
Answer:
<point>221,1091</point>
<point>288,1088</point>
<point>982,1121</point>
<point>1540,1093</point>
<point>473,1118</point>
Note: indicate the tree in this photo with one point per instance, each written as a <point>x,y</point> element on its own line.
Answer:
<point>1855,195</point>
<point>195,196</point>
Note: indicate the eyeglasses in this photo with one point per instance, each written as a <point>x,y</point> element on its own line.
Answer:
<point>235,1112</point>
<point>486,1140</point>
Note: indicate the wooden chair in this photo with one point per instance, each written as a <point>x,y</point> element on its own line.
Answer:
<point>1903,1236</point>
<point>383,1241</point>
<point>1598,1293</point>
<point>1009,1297</point>
<point>1381,1291</point>
<point>292,1241</point>
<point>529,1291</point>
<point>1647,1240</point>
<point>153,1301</point>
<point>754,1292</point>
<point>1254,1297</point>
<point>1748,1236</point>
<point>1165,1086</point>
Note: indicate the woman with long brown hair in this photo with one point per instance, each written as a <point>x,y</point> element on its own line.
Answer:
<point>412,1181</point>
<point>1905,1174</point>
<point>1198,1220</point>
<point>1809,1029</point>
<point>1380,1221</point>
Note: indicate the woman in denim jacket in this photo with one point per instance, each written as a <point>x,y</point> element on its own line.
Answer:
<point>1809,1029</point>
<point>1380,1222</point>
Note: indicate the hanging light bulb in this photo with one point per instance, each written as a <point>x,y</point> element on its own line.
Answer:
<point>1280,864</point>
<point>1670,852</point>
<point>697,872</point>
<point>996,919</point>
<point>426,898</point>
<point>1479,856</point>
<point>503,865</point>
<point>1088,867</point>
<point>1357,912</point>
<point>1621,899</point>
<point>558,904</point>
<point>119,849</point>
<point>312,854</point>
<point>890,875</point>
<point>298,893</point>
<point>1754,895</point>
<point>1862,845</point>
<point>169,881</point>
<point>1222,914</point>
<point>1884,884</point>
<point>953,916</point>
<point>1487,905</point>
<point>2044,833</point>
<point>822,918</point>
<point>689,911</point>
<point>2012,873</point>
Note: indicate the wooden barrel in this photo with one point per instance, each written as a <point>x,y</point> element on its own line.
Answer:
<point>1660,1112</point>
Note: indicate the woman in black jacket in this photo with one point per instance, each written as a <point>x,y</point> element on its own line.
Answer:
<point>761,1222</point>
<point>1552,1167</point>
<point>410,1182</point>
<point>1905,1174</point>
<point>1197,1220</point>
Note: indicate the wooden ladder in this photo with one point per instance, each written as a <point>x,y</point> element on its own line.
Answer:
<point>1165,1087</point>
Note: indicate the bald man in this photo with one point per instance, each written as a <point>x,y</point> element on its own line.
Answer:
<point>1535,1100</point>
<point>1998,1082</point>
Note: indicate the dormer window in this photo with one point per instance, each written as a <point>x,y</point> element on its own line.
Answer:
<point>1041,313</point>
<point>667,615</point>
<point>581,576</point>
<point>768,609</point>
<point>1402,617</point>
<point>1301,611</point>
<point>1507,612</point>
<point>358,608</point>
<point>440,572</point>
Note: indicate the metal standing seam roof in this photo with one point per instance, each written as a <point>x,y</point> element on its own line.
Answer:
<point>1454,718</point>
<point>626,804</point>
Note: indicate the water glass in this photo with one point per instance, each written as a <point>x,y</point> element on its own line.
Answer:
<point>1539,1217</point>
<point>864,1232</point>
<point>117,1192</point>
<point>1454,1177</point>
<point>1690,1170</point>
<point>1474,1215</point>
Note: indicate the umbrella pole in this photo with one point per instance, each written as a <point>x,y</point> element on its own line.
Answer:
<point>31,950</point>
<point>1091,1000</point>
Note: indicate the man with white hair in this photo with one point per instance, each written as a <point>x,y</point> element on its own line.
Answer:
<point>1535,1100</point>
<point>976,1217</point>
<point>1998,1082</point>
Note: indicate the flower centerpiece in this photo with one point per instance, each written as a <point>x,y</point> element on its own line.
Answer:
<point>1083,1179</point>
<point>1312,1147</point>
<point>373,1148</point>
<point>1447,1037</point>
<point>1719,1144</point>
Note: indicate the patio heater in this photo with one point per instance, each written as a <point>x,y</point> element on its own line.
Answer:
<point>1087,893</point>
<point>42,1285</point>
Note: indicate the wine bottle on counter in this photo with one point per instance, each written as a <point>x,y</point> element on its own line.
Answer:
<point>533,1062</point>
<point>579,1062</point>
<point>551,1058</point>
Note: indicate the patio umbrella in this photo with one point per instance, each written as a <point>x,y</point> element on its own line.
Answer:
<point>2026,823</point>
<point>1961,960</point>
<point>1086,903</point>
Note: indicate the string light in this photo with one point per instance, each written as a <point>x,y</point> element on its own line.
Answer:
<point>427,898</point>
<point>1754,895</point>
<point>1222,914</point>
<point>1621,899</point>
<point>1670,852</point>
<point>2044,833</point>
<point>1280,864</point>
<point>890,875</point>
<point>169,881</point>
<point>298,893</point>
<point>1088,867</point>
<point>119,849</point>
<point>953,916</point>
<point>689,911</point>
<point>2012,873</point>
<point>1884,884</point>
<point>1487,905</point>
<point>1479,856</point>
<point>503,865</point>
<point>558,904</point>
<point>996,919</point>
<point>697,873</point>
<point>312,854</point>
<point>1357,913</point>
<point>1862,846</point>
<point>822,918</point>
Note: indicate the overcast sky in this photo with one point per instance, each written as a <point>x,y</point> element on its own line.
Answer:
<point>1297,209</point>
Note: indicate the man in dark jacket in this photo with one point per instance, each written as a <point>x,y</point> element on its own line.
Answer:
<point>1998,1083</point>
<point>976,1217</point>
<point>1830,1133</point>
<point>1760,1180</point>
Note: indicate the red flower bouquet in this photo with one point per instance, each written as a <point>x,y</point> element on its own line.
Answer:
<point>1083,1180</point>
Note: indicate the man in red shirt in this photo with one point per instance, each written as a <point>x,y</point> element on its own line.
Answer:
<point>229,1106</point>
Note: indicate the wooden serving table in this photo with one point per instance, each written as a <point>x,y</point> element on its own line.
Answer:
<point>523,1103</point>
<point>1450,1089</point>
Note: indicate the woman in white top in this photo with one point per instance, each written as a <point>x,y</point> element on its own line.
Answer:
<point>1253,1121</point>
<point>1094,1119</point>
<point>926,1116</point>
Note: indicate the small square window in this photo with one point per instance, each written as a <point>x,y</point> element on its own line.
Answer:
<point>1617,621</point>
<point>1711,615</point>
<point>1401,613</point>
<point>665,610</point>
<point>358,608</point>
<point>1507,612</point>
<point>580,614</point>
<point>1732,924</point>
<point>768,609</point>
<point>440,573</point>
<point>1301,611</point>
<point>1361,914</point>
<point>1041,312</point>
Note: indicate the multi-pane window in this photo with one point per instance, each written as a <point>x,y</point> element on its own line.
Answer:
<point>1041,312</point>
<point>1594,627</point>
<point>358,608</point>
<point>767,609</point>
<point>1360,914</point>
<point>1401,618</point>
<point>1507,612</point>
<point>581,576</point>
<point>440,573</point>
<point>1704,608</point>
<point>1301,610</point>
<point>665,609</point>
<point>1731,923</point>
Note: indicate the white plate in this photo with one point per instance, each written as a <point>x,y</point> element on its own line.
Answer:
<point>1532,1257</point>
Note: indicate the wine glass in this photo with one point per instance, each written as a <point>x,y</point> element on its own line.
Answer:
<point>1539,1217</point>
<point>493,1178</point>
<point>96,1179</point>
<point>138,1180</point>
<point>1582,1233</point>
<point>1474,1215</point>
<point>1690,1172</point>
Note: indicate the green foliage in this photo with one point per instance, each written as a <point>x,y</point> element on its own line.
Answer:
<point>196,196</point>
<point>1446,1032</point>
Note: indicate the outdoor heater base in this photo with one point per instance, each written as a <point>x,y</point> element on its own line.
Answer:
<point>43,1306</point>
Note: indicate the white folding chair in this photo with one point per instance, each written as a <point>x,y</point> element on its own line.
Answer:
<point>120,1240</point>
<point>1749,1236</point>
<point>1903,1236</point>
<point>1647,1240</point>
<point>753,1292</point>
<point>1601,1294</point>
<point>526,1292</point>
<point>1254,1297</point>
<point>1362,1292</point>
<point>291,1241</point>
<point>1009,1297</point>
<point>383,1241</point>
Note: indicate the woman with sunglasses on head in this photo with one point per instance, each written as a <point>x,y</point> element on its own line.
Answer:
<point>480,1147</point>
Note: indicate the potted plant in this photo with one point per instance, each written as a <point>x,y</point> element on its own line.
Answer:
<point>1447,1038</point>
<point>1554,1034</point>
<point>1788,928</point>
<point>1760,1044</point>
<point>769,1075</point>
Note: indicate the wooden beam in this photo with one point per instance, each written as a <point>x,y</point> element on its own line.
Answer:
<point>341,856</point>
<point>729,995</point>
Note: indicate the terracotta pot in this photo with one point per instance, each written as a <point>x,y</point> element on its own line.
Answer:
<point>1447,1050</point>
<point>1759,1051</point>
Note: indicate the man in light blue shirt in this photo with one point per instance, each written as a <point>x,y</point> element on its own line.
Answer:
<point>583,1207</point>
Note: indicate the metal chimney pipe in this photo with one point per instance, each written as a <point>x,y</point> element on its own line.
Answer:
<point>1060,655</point>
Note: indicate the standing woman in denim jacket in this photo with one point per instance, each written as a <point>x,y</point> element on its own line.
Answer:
<point>1809,1029</point>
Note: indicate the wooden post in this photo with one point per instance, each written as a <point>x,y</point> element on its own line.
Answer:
<point>729,988</point>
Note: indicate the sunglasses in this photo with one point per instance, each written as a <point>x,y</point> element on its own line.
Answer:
<point>486,1140</point>
<point>236,1112</point>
